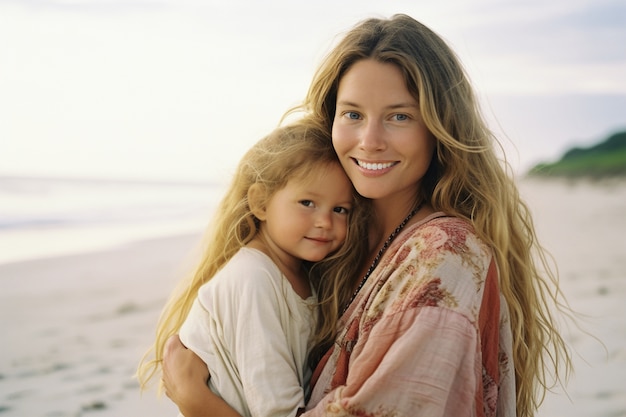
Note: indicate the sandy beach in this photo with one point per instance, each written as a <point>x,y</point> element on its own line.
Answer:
<point>75,327</point>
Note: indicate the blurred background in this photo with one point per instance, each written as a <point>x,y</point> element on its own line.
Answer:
<point>121,121</point>
<point>177,90</point>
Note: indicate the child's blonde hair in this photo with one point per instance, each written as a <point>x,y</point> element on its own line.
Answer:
<point>289,153</point>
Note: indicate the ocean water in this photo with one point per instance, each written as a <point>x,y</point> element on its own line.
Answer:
<point>42,217</point>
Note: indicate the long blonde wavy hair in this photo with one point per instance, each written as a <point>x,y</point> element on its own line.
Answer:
<point>465,179</point>
<point>290,152</point>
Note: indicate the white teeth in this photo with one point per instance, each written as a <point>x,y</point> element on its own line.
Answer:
<point>374,167</point>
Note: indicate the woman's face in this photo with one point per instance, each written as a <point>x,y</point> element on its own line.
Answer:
<point>379,134</point>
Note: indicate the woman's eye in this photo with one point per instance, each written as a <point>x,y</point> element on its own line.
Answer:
<point>401,117</point>
<point>352,115</point>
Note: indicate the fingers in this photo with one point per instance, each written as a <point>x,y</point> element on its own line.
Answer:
<point>165,390</point>
<point>172,344</point>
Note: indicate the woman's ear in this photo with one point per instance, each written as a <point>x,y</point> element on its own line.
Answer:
<point>256,201</point>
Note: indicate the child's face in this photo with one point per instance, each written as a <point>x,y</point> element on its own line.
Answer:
<point>308,219</point>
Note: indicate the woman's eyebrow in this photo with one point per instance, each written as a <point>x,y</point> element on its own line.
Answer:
<point>347,103</point>
<point>403,106</point>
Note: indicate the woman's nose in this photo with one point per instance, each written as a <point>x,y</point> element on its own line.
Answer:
<point>372,136</point>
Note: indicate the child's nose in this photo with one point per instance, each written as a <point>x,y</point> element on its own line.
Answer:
<point>323,219</point>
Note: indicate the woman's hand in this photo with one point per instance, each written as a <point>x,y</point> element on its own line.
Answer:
<point>185,378</point>
<point>182,369</point>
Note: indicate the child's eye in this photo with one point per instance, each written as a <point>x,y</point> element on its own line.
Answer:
<point>306,203</point>
<point>341,210</point>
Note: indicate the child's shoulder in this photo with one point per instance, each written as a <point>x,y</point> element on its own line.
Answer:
<point>248,268</point>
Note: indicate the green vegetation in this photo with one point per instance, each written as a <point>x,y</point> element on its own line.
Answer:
<point>604,160</point>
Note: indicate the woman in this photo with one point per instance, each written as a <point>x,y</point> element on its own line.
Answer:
<point>452,314</point>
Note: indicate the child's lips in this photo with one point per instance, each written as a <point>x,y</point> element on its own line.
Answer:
<point>320,239</point>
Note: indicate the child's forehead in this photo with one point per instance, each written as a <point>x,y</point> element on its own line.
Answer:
<point>313,170</point>
<point>322,180</point>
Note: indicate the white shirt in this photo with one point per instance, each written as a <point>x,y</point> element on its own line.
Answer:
<point>252,330</point>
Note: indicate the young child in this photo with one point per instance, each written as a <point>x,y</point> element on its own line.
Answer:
<point>248,310</point>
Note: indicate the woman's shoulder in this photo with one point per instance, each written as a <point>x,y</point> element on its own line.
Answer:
<point>445,221</point>
<point>441,263</point>
<point>442,231</point>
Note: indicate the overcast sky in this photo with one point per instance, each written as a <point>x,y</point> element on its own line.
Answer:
<point>179,89</point>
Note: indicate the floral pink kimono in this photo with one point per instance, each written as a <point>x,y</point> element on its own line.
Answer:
<point>427,335</point>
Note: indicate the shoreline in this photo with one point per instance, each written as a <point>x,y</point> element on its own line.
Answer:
<point>104,246</point>
<point>26,245</point>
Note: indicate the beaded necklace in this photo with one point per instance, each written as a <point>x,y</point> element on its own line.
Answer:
<point>382,250</point>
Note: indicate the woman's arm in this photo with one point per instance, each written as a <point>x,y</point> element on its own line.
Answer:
<point>184,380</point>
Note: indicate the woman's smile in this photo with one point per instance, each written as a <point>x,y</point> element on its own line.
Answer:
<point>374,166</point>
